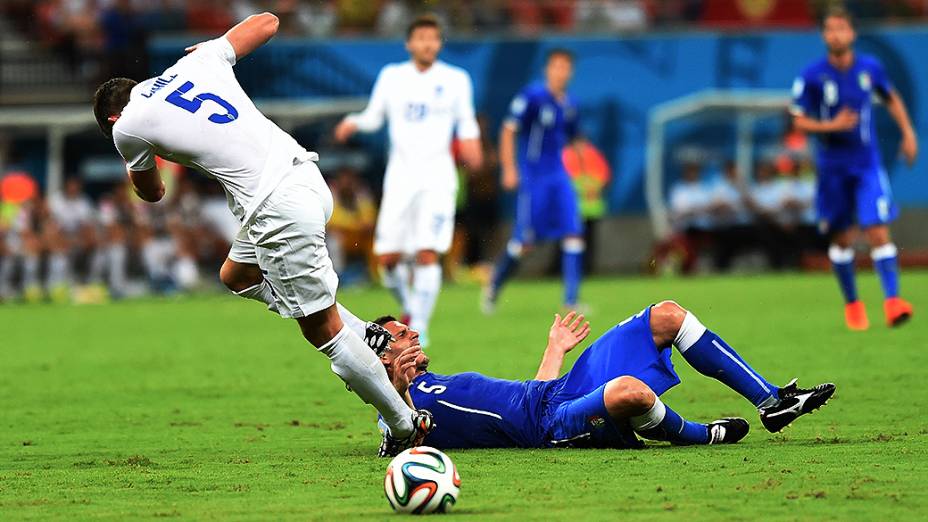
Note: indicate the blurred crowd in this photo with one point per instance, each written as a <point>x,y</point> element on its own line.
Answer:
<point>720,214</point>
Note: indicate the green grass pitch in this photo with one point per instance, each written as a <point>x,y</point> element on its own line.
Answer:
<point>212,408</point>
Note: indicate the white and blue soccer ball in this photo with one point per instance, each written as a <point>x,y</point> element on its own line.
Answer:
<point>422,480</point>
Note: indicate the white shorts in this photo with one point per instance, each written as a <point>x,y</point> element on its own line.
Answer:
<point>414,220</point>
<point>286,239</point>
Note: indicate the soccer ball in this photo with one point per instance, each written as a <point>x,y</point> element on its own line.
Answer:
<point>422,480</point>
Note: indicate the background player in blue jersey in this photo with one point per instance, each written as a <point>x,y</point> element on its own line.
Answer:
<point>610,395</point>
<point>542,121</point>
<point>833,98</point>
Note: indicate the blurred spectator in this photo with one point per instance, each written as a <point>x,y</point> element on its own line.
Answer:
<point>690,202</point>
<point>350,232</point>
<point>769,200</point>
<point>731,220</point>
<point>74,214</point>
<point>590,173</point>
<point>124,41</point>
<point>478,217</point>
<point>612,15</point>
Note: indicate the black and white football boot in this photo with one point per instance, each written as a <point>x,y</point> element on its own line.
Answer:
<point>423,424</point>
<point>794,402</point>
<point>377,337</point>
<point>728,430</point>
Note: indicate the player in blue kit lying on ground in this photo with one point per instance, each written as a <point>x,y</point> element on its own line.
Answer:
<point>609,397</point>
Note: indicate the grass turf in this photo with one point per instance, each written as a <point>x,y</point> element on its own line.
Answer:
<point>211,408</point>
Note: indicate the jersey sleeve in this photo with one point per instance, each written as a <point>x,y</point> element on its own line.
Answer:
<point>216,52</point>
<point>806,96</point>
<point>881,84</point>
<point>465,120</point>
<point>522,111</point>
<point>138,153</point>
<point>373,116</point>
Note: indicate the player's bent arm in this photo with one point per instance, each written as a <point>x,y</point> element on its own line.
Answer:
<point>507,156</point>
<point>147,184</point>
<point>565,334</point>
<point>252,32</point>
<point>897,110</point>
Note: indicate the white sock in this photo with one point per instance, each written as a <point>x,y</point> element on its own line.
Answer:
<point>425,287</point>
<point>153,261</point>
<point>59,272</point>
<point>97,266</point>
<point>116,255</point>
<point>690,332</point>
<point>30,271</point>
<point>261,292</point>
<point>651,418</point>
<point>356,364</point>
<point>186,272</point>
<point>396,279</point>
<point>356,325</point>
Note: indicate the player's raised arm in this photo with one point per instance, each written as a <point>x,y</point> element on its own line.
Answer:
<point>507,156</point>
<point>565,334</point>
<point>372,117</point>
<point>249,34</point>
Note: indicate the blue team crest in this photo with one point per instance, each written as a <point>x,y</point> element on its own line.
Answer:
<point>864,80</point>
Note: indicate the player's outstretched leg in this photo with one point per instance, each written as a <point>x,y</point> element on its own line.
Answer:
<point>395,274</point>
<point>842,264</point>
<point>572,268</point>
<point>628,398</point>
<point>505,268</point>
<point>711,356</point>
<point>886,265</point>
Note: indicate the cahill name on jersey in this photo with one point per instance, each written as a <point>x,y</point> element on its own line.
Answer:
<point>196,113</point>
<point>822,90</point>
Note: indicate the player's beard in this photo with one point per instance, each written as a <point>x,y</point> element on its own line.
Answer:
<point>839,51</point>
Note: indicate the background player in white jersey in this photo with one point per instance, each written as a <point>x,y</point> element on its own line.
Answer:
<point>196,113</point>
<point>426,101</point>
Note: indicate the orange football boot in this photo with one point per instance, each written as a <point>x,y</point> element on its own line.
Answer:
<point>897,311</point>
<point>855,315</point>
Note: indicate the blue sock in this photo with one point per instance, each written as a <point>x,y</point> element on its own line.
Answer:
<point>711,356</point>
<point>670,426</point>
<point>506,266</point>
<point>572,268</point>
<point>886,264</point>
<point>842,263</point>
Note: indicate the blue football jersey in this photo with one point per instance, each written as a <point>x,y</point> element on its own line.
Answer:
<point>821,91</point>
<point>475,411</point>
<point>545,125</point>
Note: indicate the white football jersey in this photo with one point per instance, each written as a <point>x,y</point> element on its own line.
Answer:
<point>71,213</point>
<point>425,109</point>
<point>196,114</point>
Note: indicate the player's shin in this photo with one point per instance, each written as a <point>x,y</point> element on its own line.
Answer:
<point>425,288</point>
<point>396,280</point>
<point>711,356</point>
<point>506,267</point>
<point>886,263</point>
<point>662,423</point>
<point>261,292</point>
<point>354,362</point>
<point>572,268</point>
<point>842,264</point>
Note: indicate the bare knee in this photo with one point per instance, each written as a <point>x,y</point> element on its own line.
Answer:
<point>845,238</point>
<point>877,236</point>
<point>627,396</point>
<point>666,320</point>
<point>239,276</point>
<point>426,257</point>
<point>389,261</point>
<point>320,327</point>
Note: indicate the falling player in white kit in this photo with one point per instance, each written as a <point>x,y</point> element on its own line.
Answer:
<point>426,102</point>
<point>196,113</point>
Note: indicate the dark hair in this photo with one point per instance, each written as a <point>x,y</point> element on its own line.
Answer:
<point>109,100</point>
<point>384,319</point>
<point>559,52</point>
<point>426,20</point>
<point>838,11</point>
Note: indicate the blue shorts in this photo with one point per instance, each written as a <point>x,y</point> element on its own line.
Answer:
<point>853,193</point>
<point>575,411</point>
<point>547,208</point>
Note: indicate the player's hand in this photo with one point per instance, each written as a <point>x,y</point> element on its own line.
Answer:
<point>510,178</point>
<point>193,47</point>
<point>567,332</point>
<point>404,368</point>
<point>909,147</point>
<point>846,119</point>
<point>344,130</point>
